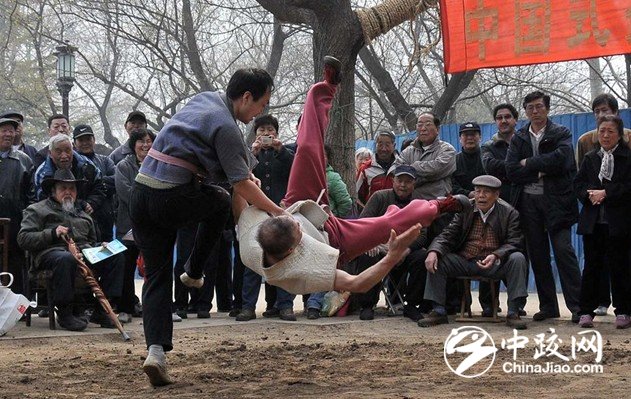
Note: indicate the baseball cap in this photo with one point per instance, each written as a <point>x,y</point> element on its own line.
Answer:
<point>469,127</point>
<point>136,115</point>
<point>405,170</point>
<point>82,130</point>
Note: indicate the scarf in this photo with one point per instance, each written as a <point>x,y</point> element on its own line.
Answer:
<point>606,167</point>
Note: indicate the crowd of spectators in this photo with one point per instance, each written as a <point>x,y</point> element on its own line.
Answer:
<point>525,187</point>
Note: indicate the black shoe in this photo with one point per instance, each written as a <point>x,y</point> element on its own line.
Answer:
<point>43,313</point>
<point>137,310</point>
<point>246,315</point>
<point>182,313</point>
<point>541,316</point>
<point>515,322</point>
<point>313,314</point>
<point>68,321</point>
<point>203,314</point>
<point>99,317</point>
<point>332,70</point>
<point>271,312</point>
<point>287,314</point>
<point>433,319</point>
<point>366,314</point>
<point>487,312</point>
<point>413,313</point>
<point>234,312</point>
<point>575,318</point>
<point>522,313</point>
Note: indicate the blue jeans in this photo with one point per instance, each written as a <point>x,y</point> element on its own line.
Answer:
<point>315,300</point>
<point>252,287</point>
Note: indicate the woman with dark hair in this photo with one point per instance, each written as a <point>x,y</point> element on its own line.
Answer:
<point>140,142</point>
<point>603,185</point>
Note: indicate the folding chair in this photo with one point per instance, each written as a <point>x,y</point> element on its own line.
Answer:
<point>392,291</point>
<point>467,294</point>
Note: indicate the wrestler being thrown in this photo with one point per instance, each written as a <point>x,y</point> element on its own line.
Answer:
<point>301,250</point>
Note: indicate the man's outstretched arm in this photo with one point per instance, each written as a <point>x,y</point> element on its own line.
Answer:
<point>398,249</point>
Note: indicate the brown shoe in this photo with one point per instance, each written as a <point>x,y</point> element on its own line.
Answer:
<point>287,314</point>
<point>332,70</point>
<point>515,322</point>
<point>433,319</point>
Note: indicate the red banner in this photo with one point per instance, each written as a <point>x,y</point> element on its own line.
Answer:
<point>498,33</point>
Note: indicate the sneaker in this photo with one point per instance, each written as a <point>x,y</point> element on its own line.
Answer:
<point>433,319</point>
<point>191,282</point>
<point>366,314</point>
<point>332,70</point>
<point>287,314</point>
<point>601,311</point>
<point>313,314</point>
<point>586,321</point>
<point>271,312</point>
<point>246,315</point>
<point>234,312</point>
<point>623,321</point>
<point>124,317</point>
<point>175,318</point>
<point>453,203</point>
<point>542,315</point>
<point>515,322</point>
<point>156,370</point>
<point>203,314</point>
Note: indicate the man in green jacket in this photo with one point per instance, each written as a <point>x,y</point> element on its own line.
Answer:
<point>43,226</point>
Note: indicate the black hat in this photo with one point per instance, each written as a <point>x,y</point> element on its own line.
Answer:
<point>469,127</point>
<point>12,115</point>
<point>136,115</point>
<point>61,175</point>
<point>405,170</point>
<point>4,121</point>
<point>82,130</point>
<point>487,181</point>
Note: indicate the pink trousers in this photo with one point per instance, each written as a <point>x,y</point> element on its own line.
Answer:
<point>308,177</point>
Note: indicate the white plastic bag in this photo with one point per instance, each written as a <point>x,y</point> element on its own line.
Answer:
<point>12,306</point>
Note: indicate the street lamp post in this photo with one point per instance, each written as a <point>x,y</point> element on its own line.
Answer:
<point>65,72</point>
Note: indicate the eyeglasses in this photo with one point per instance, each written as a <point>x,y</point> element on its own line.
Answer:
<point>532,107</point>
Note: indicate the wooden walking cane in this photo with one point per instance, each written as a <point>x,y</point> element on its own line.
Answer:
<point>88,276</point>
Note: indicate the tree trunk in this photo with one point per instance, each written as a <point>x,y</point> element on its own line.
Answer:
<point>386,84</point>
<point>192,50</point>
<point>457,84</point>
<point>595,80</point>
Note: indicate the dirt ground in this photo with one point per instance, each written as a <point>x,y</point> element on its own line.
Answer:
<point>390,357</point>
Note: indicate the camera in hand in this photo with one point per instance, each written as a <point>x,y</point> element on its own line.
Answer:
<point>267,140</point>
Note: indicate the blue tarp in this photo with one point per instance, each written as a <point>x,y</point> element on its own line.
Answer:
<point>577,123</point>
